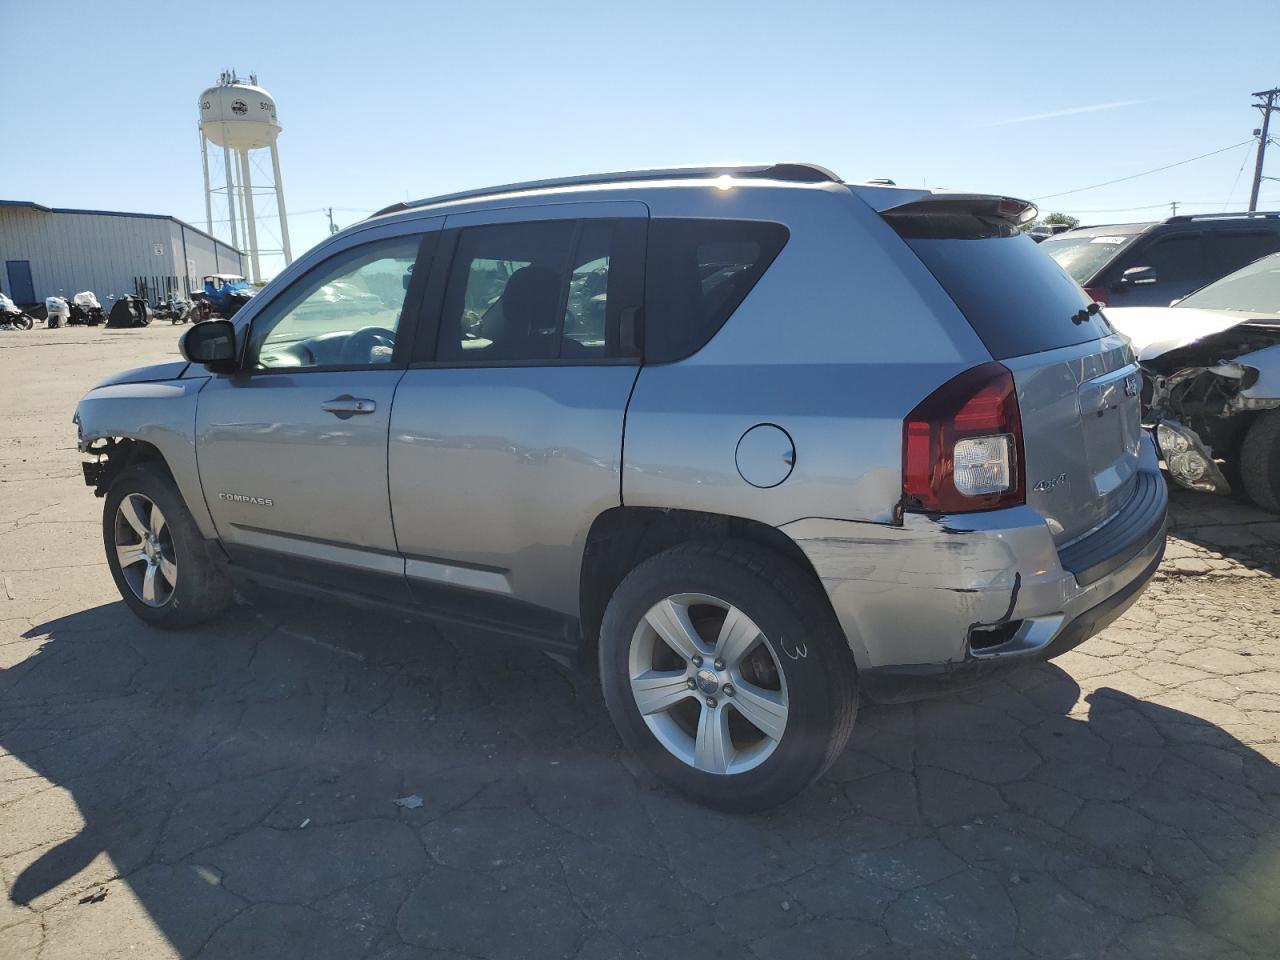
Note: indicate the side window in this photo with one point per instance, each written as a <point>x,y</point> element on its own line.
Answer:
<point>540,291</point>
<point>1176,260</point>
<point>344,312</point>
<point>1233,249</point>
<point>697,272</point>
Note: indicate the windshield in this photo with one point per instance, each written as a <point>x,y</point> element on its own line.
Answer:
<point>1083,257</point>
<point>1253,289</point>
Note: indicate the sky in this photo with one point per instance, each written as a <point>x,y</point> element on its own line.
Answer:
<point>381,102</point>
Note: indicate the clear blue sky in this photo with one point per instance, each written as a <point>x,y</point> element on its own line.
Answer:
<point>385,101</point>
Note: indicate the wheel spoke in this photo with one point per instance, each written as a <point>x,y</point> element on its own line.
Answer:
<point>169,570</point>
<point>657,691</point>
<point>765,709</point>
<point>737,636</point>
<point>127,554</point>
<point>671,621</point>
<point>149,584</point>
<point>129,510</point>
<point>713,748</point>
<point>157,521</point>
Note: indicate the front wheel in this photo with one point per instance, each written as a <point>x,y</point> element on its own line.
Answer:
<point>724,669</point>
<point>159,560</point>
<point>1260,461</point>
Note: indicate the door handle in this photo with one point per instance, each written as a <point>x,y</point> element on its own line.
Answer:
<point>348,406</point>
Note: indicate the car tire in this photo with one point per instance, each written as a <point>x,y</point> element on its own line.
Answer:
<point>799,661</point>
<point>1260,461</point>
<point>171,580</point>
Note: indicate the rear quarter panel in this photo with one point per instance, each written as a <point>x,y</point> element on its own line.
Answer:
<point>841,338</point>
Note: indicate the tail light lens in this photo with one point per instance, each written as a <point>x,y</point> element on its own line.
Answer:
<point>962,445</point>
<point>1097,294</point>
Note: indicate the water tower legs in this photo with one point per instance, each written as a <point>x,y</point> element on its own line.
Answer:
<point>251,224</point>
<point>208,197</point>
<point>284,217</point>
<point>231,198</point>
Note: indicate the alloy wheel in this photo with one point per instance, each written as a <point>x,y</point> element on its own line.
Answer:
<point>708,684</point>
<point>144,550</point>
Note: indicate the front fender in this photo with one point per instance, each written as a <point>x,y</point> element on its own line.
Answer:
<point>161,413</point>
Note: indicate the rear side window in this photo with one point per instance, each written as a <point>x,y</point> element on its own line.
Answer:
<point>1017,300</point>
<point>697,272</point>
<point>1235,249</point>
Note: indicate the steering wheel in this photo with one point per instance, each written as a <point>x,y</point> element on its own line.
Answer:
<point>359,346</point>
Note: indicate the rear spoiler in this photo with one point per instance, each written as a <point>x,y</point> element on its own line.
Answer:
<point>898,202</point>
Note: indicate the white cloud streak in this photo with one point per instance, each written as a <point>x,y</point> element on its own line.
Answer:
<point>1069,112</point>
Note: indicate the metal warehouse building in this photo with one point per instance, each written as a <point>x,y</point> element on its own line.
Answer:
<point>49,251</point>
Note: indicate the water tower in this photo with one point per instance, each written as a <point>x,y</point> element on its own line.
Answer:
<point>241,118</point>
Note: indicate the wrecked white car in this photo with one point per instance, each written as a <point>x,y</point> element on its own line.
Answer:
<point>1211,390</point>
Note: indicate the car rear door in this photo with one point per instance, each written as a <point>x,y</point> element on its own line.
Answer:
<point>1077,382</point>
<point>292,448</point>
<point>506,435</point>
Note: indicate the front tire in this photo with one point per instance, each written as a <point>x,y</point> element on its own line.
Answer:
<point>725,671</point>
<point>1260,461</point>
<point>158,559</point>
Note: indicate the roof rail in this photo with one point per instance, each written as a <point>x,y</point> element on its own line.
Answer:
<point>1241,214</point>
<point>790,172</point>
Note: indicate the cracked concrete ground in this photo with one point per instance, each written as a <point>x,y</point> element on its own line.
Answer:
<point>228,792</point>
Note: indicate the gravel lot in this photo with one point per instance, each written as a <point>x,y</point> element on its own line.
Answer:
<point>229,792</point>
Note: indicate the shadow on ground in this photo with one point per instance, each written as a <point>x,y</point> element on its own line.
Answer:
<point>233,787</point>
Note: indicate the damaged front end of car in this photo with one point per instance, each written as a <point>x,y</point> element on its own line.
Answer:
<point>1200,397</point>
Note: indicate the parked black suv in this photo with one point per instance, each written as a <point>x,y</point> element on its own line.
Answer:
<point>1152,264</point>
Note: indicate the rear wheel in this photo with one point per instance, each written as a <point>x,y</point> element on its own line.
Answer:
<point>724,670</point>
<point>1260,461</point>
<point>159,560</point>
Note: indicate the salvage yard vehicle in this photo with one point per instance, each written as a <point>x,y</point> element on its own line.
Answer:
<point>874,442</point>
<point>1152,264</point>
<point>1211,366</point>
<point>13,317</point>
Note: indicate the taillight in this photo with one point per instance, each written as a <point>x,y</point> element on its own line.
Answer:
<point>962,445</point>
<point>1097,294</point>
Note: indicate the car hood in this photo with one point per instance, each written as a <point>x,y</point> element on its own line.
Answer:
<point>157,371</point>
<point>1155,331</point>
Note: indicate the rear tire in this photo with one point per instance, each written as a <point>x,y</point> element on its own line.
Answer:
<point>168,577</point>
<point>1260,461</point>
<point>796,674</point>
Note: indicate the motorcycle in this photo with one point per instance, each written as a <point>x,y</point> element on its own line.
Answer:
<point>12,318</point>
<point>57,312</point>
<point>175,309</point>
<point>86,310</point>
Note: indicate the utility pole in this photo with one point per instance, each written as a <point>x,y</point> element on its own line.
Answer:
<point>333,228</point>
<point>1267,104</point>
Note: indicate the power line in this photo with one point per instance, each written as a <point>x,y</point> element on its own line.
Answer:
<point>1134,176</point>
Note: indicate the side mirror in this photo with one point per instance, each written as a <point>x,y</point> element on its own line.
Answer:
<point>1138,276</point>
<point>211,343</point>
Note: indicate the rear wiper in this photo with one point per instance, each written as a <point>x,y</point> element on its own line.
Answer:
<point>1085,313</point>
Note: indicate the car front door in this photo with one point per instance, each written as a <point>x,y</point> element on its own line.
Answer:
<point>292,449</point>
<point>506,439</point>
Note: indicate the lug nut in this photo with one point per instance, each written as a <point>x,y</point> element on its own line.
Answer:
<point>719,664</point>
<point>728,689</point>
<point>697,661</point>
<point>711,701</point>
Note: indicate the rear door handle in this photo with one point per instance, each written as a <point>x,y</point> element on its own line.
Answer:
<point>348,406</point>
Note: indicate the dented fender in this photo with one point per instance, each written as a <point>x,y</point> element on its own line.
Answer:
<point>158,412</point>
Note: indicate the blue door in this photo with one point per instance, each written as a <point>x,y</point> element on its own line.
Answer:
<point>20,288</point>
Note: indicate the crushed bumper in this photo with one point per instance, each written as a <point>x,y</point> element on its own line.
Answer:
<point>941,601</point>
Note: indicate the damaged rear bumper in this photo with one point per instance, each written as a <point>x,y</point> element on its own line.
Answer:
<point>941,601</point>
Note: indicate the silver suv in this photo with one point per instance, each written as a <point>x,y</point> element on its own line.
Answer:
<point>754,438</point>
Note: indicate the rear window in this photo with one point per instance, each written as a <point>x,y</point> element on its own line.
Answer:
<point>1084,257</point>
<point>1016,299</point>
<point>697,272</point>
